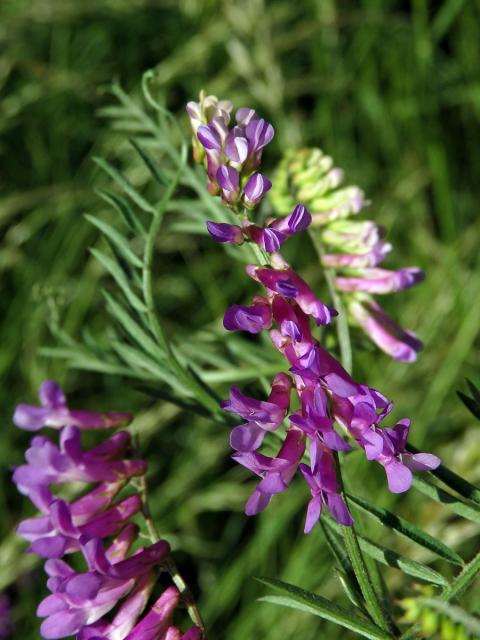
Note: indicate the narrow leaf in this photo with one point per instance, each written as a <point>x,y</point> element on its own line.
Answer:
<point>393,559</point>
<point>312,603</point>
<point>117,239</point>
<point>463,580</point>
<point>150,163</point>
<point>125,185</point>
<point>407,529</point>
<point>120,278</point>
<point>447,499</point>
<point>128,215</point>
<point>139,335</point>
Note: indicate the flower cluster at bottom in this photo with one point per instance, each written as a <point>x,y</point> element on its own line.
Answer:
<point>80,602</point>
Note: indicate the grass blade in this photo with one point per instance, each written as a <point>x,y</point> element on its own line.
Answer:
<point>393,559</point>
<point>447,499</point>
<point>125,185</point>
<point>312,603</point>
<point>407,529</point>
<point>116,238</point>
<point>463,580</point>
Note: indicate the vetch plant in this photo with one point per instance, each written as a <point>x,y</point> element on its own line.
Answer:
<point>307,425</point>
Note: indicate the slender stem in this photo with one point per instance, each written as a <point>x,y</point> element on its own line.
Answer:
<point>170,565</point>
<point>342,320</point>
<point>372,599</point>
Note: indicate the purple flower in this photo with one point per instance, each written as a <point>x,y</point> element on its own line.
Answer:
<point>399,343</point>
<point>80,599</point>
<point>358,260</point>
<point>276,473</point>
<point>54,412</point>
<point>324,488</point>
<point>259,133</point>
<point>261,416</point>
<point>295,222</point>
<point>256,187</point>
<point>226,233</point>
<point>381,280</point>
<point>60,531</point>
<point>209,137</point>
<point>252,319</point>
<point>289,285</point>
<point>236,146</point>
<point>397,462</point>
<point>316,423</point>
<point>228,180</point>
<point>48,464</point>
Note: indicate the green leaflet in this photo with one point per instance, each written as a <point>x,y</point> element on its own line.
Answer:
<point>407,529</point>
<point>120,278</point>
<point>447,499</point>
<point>463,580</point>
<point>133,328</point>
<point>392,558</point>
<point>125,185</point>
<point>116,238</point>
<point>150,163</point>
<point>312,603</point>
<point>130,218</point>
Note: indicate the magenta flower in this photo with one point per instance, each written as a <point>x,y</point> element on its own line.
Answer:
<point>226,233</point>
<point>322,480</point>
<point>228,180</point>
<point>381,281</point>
<point>252,319</point>
<point>48,464</point>
<point>399,343</point>
<point>276,473</point>
<point>261,416</point>
<point>54,412</point>
<point>289,285</point>
<point>256,187</point>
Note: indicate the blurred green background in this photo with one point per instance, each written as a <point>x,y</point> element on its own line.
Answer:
<point>392,91</point>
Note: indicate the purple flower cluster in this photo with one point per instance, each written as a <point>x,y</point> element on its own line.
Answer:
<point>232,156</point>
<point>355,249</point>
<point>327,394</point>
<point>80,601</point>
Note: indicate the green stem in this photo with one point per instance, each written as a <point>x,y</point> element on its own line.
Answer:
<point>343,332</point>
<point>170,565</point>
<point>372,599</point>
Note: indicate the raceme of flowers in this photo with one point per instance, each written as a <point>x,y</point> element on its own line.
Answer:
<point>354,248</point>
<point>328,396</point>
<point>97,525</point>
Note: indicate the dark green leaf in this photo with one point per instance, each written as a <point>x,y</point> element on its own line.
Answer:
<point>125,185</point>
<point>407,529</point>
<point>447,499</point>
<point>392,559</point>
<point>312,603</point>
<point>128,215</point>
<point>120,278</point>
<point>150,163</point>
<point>119,241</point>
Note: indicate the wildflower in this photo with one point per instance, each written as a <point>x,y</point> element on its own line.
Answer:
<point>54,412</point>
<point>354,248</point>
<point>78,601</point>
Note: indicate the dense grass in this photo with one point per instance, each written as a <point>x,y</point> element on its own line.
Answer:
<point>392,91</point>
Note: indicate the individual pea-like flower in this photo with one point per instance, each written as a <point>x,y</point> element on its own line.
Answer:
<point>353,248</point>
<point>276,473</point>
<point>322,481</point>
<point>54,412</point>
<point>261,415</point>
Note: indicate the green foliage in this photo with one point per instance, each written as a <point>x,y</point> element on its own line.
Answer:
<point>390,90</point>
